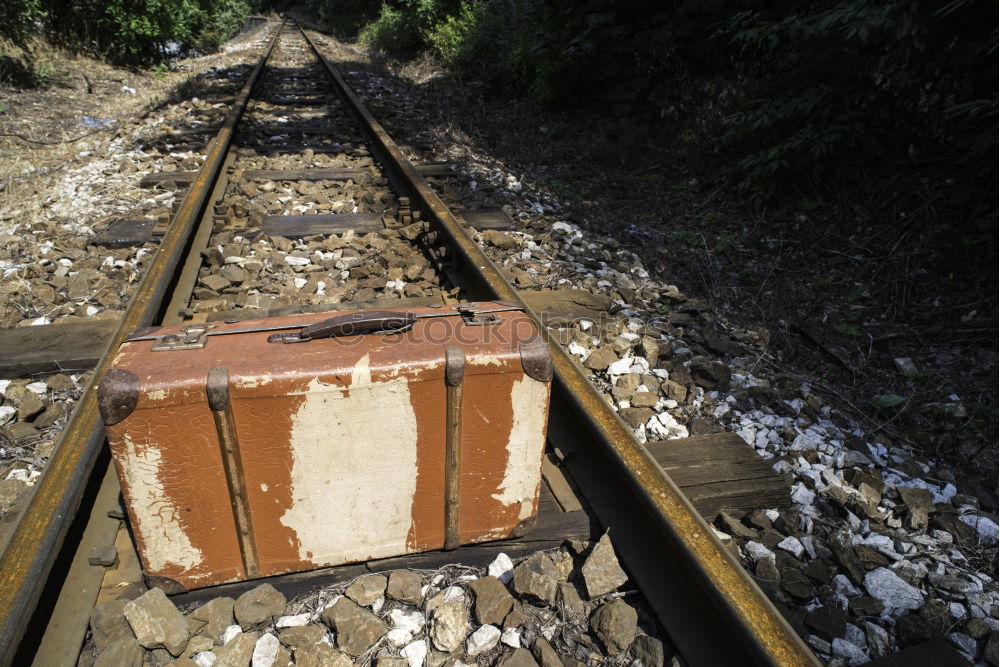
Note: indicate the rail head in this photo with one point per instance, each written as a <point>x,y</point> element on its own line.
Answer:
<point>38,537</point>
<point>766,636</point>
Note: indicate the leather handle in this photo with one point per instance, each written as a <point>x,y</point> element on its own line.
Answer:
<point>358,324</point>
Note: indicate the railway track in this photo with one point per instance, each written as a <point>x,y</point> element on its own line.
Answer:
<point>304,203</point>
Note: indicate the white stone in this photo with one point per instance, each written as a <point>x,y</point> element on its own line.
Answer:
<point>854,655</point>
<point>292,260</point>
<point>265,651</point>
<point>843,585</point>
<point>964,643</point>
<point>756,550</point>
<point>622,366</point>
<point>399,637</point>
<point>296,621</point>
<point>802,495</point>
<point>803,443</point>
<point>204,659</point>
<point>883,544</point>
<point>6,414</point>
<point>410,621</point>
<point>502,568</point>
<point>482,640</point>
<point>229,633</point>
<point>414,653</point>
<point>37,387</point>
<point>792,545</point>
<point>855,635</point>
<point>511,637</point>
<point>986,527</point>
<point>894,593</point>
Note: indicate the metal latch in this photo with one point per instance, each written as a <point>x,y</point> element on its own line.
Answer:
<point>471,315</point>
<point>194,337</point>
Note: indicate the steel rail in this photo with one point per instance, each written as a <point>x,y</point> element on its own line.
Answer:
<point>38,537</point>
<point>729,596</point>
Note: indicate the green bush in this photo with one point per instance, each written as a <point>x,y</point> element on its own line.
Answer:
<point>18,19</point>
<point>127,31</point>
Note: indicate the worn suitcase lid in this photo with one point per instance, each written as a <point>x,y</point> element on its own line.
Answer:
<point>258,353</point>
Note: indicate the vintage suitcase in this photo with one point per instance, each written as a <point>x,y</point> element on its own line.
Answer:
<point>259,447</point>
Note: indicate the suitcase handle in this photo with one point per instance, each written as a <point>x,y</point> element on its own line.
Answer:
<point>352,324</point>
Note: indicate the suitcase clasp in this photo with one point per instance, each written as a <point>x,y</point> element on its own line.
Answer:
<point>194,337</point>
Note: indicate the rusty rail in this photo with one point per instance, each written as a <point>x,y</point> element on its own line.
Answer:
<point>36,541</point>
<point>716,592</point>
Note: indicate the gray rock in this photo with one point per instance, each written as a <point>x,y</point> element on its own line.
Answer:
<point>990,651</point>
<point>732,525</point>
<point>894,593</point>
<point>121,652</point>
<point>449,625</point>
<point>878,639</point>
<point>674,391</point>
<point>390,661</point>
<point>259,605</point>
<point>60,382</point>
<point>615,624</point>
<point>11,492</point>
<point>197,644</point>
<point>28,406</point>
<point>865,606</point>
<point>601,358</point>
<point>519,657</point>
<point>847,558</point>
<point>357,628</point>
<point>636,417</point>
<point>571,600</point>
<point>108,624</point>
<point>647,650</point>
<point>828,621</point>
<point>918,499</point>
<point>937,615</point>
<point>301,636</point>
<point>536,579</point>
<point>237,652</point>
<point>367,589</point>
<point>601,572</point>
<point>156,622</point>
<point>710,373</point>
<point>854,655</point>
<point>106,556</point>
<point>911,630</point>
<point>405,585</point>
<point>499,239</point>
<point>320,655</point>
<point>213,618</point>
<point>493,602</point>
<point>545,655</point>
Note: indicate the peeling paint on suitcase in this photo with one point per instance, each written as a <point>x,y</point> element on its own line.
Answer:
<point>242,458</point>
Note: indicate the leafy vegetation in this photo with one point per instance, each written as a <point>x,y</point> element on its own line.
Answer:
<point>785,92</point>
<point>136,32</point>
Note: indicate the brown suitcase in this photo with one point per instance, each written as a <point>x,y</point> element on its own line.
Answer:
<point>254,448</point>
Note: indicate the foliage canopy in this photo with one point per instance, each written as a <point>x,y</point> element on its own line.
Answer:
<point>798,90</point>
<point>127,31</point>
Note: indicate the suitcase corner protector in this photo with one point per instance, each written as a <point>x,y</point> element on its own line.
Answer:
<point>524,527</point>
<point>536,359</point>
<point>165,584</point>
<point>117,395</point>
